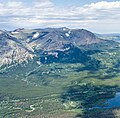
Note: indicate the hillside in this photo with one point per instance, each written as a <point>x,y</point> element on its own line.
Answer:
<point>20,45</point>
<point>57,72</point>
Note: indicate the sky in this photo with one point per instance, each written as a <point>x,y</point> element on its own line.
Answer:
<point>95,15</point>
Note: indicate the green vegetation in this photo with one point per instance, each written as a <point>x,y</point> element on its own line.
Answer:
<point>60,89</point>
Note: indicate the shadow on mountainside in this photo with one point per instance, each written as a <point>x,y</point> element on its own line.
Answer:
<point>73,55</point>
<point>107,113</point>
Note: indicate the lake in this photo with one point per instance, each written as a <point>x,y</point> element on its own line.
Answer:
<point>110,103</point>
<point>114,102</point>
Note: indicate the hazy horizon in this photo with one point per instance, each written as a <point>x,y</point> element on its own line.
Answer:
<point>94,15</point>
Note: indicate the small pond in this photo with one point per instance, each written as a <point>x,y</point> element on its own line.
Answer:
<point>114,102</point>
<point>111,103</point>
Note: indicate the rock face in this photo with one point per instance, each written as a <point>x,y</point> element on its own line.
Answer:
<point>12,51</point>
<point>20,45</point>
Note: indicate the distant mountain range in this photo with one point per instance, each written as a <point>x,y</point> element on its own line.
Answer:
<point>50,44</point>
<point>114,37</point>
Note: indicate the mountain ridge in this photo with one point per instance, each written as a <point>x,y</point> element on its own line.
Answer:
<point>21,45</point>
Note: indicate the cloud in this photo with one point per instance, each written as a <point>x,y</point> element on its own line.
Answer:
<point>43,13</point>
<point>104,5</point>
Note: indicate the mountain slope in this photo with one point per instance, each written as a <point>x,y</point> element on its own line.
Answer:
<point>20,45</point>
<point>57,72</point>
<point>12,51</point>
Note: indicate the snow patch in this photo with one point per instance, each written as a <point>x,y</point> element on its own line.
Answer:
<point>64,29</point>
<point>38,62</point>
<point>53,54</point>
<point>35,35</point>
<point>14,32</point>
<point>45,58</point>
<point>63,49</point>
<point>1,32</point>
<point>67,34</point>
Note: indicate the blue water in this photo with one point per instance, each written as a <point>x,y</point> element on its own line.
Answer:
<point>114,102</point>
<point>110,103</point>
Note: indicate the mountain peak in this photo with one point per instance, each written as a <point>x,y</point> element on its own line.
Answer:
<point>22,44</point>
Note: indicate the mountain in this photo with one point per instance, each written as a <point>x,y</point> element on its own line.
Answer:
<point>21,45</point>
<point>114,37</point>
<point>58,72</point>
<point>12,50</point>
